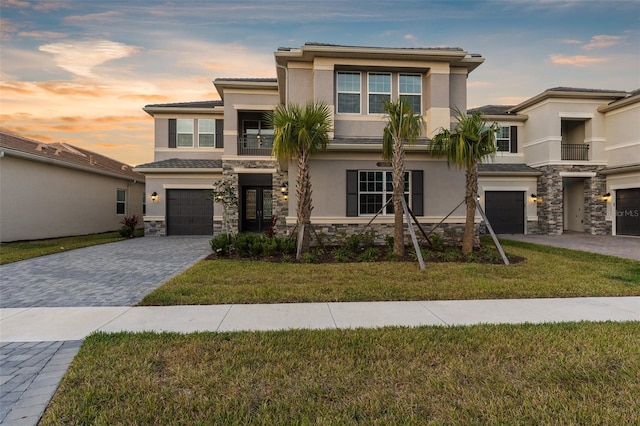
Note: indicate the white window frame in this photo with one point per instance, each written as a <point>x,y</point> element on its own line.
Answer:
<point>122,202</point>
<point>371,92</point>
<point>387,179</point>
<point>183,132</point>
<point>358,92</point>
<point>418,95</point>
<point>508,139</point>
<point>212,132</point>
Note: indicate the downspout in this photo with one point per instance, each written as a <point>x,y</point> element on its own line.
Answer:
<point>286,77</point>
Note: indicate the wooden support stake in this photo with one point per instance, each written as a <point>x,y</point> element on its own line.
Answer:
<point>493,234</point>
<point>413,234</point>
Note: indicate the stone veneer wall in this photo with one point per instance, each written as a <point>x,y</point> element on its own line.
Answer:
<point>155,228</point>
<point>551,201</point>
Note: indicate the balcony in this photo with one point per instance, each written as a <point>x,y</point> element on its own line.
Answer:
<point>574,151</point>
<point>255,146</point>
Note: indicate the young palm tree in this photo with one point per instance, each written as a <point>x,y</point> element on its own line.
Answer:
<point>403,126</point>
<point>467,145</point>
<point>300,131</point>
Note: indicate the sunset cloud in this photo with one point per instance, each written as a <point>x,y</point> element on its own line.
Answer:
<point>600,41</point>
<point>576,60</point>
<point>80,57</point>
<point>41,34</point>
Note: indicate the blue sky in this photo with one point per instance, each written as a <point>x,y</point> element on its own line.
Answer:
<point>80,71</point>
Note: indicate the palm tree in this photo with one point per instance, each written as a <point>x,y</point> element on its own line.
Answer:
<point>300,131</point>
<point>467,145</point>
<point>403,126</point>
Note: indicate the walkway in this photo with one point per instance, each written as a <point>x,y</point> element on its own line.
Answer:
<point>625,247</point>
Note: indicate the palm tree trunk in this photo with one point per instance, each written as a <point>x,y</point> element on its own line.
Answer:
<point>471,188</point>
<point>303,192</point>
<point>398,193</point>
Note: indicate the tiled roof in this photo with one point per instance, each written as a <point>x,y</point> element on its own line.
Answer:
<point>68,155</point>
<point>491,109</point>
<point>182,163</point>
<point>199,104</point>
<point>507,169</point>
<point>583,90</point>
<point>249,80</point>
<point>285,49</point>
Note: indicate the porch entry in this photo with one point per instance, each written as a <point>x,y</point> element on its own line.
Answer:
<point>257,202</point>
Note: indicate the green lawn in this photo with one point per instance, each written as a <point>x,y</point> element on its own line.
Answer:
<point>22,250</point>
<point>546,272</point>
<point>574,373</point>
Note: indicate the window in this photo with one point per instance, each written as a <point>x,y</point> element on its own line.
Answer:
<point>410,89</point>
<point>121,201</point>
<point>379,92</point>
<point>206,133</point>
<point>348,84</point>
<point>184,128</point>
<point>503,139</point>
<point>375,188</point>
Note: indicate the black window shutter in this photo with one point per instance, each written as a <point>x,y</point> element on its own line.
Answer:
<point>219,134</point>
<point>514,139</point>
<point>417,192</point>
<point>172,133</point>
<point>352,193</point>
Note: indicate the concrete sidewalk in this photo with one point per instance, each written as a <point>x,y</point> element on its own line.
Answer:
<point>75,323</point>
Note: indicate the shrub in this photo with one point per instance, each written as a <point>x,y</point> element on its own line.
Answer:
<point>286,245</point>
<point>341,254</point>
<point>129,226</point>
<point>370,255</point>
<point>309,258</point>
<point>437,242</point>
<point>221,244</point>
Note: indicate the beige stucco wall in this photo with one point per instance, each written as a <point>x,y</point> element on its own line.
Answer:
<point>39,200</point>
<point>443,187</point>
<point>623,136</point>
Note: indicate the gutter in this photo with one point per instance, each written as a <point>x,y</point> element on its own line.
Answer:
<point>53,162</point>
<point>151,170</point>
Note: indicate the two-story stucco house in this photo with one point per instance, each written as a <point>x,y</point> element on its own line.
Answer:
<point>568,160</point>
<point>198,143</point>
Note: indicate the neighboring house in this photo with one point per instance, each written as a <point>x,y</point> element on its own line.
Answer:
<point>56,190</point>
<point>568,160</point>
<point>198,143</point>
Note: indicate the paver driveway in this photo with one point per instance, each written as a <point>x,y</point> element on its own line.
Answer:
<point>115,274</point>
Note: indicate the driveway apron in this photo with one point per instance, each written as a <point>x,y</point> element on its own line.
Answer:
<point>115,274</point>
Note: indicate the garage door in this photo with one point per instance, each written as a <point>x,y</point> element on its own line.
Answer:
<point>505,211</point>
<point>628,211</point>
<point>189,212</point>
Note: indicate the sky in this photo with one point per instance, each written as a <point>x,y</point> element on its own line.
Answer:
<point>80,71</point>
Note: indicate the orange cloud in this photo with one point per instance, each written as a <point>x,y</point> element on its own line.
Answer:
<point>145,98</point>
<point>576,60</point>
<point>602,40</point>
<point>17,87</point>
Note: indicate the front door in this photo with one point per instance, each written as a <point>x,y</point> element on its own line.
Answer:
<point>257,208</point>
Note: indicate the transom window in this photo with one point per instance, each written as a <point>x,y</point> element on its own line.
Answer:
<point>206,133</point>
<point>375,188</point>
<point>348,88</point>
<point>184,133</point>
<point>410,89</point>
<point>503,139</point>
<point>379,92</point>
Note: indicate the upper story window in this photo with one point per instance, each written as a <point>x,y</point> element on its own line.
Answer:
<point>184,132</point>
<point>348,92</point>
<point>190,133</point>
<point>503,139</point>
<point>410,89</point>
<point>379,85</point>
<point>206,133</point>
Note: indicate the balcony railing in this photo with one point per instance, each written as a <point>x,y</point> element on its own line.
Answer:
<point>575,151</point>
<point>255,146</point>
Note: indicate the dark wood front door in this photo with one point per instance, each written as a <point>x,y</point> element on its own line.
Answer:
<point>257,208</point>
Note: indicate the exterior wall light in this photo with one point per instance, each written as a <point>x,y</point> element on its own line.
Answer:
<point>534,197</point>
<point>607,196</point>
<point>285,190</point>
<point>154,197</point>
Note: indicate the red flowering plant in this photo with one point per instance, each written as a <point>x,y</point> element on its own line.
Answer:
<point>129,224</point>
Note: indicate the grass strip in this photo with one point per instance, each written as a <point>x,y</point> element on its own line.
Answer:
<point>546,272</point>
<point>573,373</point>
<point>23,250</point>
